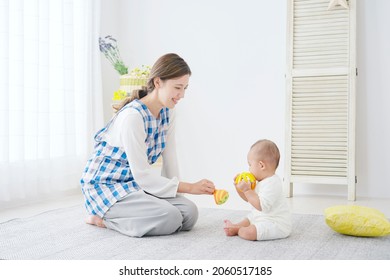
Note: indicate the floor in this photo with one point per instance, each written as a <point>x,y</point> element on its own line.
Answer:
<point>305,204</point>
<point>300,204</point>
<point>36,208</point>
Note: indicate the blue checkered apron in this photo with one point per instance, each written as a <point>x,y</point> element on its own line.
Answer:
<point>107,177</point>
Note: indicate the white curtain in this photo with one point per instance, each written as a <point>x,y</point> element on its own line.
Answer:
<point>50,95</point>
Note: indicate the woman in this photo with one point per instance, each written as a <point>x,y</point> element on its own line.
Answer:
<point>122,191</point>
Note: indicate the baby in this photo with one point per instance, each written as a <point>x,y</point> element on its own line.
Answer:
<point>270,217</point>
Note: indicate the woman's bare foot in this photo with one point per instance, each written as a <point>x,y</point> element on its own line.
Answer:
<point>95,220</point>
<point>230,228</point>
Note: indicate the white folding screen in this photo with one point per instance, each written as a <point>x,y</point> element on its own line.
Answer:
<point>320,79</point>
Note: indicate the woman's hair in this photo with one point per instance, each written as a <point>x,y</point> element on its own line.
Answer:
<point>168,66</point>
<point>267,151</point>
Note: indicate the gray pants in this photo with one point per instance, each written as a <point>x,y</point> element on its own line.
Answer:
<point>140,214</point>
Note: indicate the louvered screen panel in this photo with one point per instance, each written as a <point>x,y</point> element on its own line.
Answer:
<point>321,37</point>
<point>320,94</point>
<point>319,126</point>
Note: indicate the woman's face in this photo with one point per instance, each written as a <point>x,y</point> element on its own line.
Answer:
<point>171,91</point>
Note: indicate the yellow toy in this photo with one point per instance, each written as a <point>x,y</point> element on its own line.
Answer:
<point>220,196</point>
<point>247,177</point>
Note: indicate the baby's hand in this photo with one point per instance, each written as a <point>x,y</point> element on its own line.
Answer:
<point>243,186</point>
<point>234,179</point>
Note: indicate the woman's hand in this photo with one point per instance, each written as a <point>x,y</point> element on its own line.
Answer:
<point>203,186</point>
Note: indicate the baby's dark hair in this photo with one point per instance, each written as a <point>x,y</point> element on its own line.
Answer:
<point>267,151</point>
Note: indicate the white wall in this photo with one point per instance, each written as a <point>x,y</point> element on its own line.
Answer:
<point>236,50</point>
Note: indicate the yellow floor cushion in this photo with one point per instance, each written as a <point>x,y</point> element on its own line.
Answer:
<point>357,220</point>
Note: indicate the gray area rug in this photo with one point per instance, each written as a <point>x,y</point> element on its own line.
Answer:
<point>62,234</point>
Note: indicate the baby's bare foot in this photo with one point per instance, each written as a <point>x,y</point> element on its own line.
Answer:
<point>230,229</point>
<point>95,220</point>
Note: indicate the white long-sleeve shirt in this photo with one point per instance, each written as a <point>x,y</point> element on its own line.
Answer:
<point>128,132</point>
<point>126,148</point>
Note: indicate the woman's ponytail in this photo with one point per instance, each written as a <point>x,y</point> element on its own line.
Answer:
<point>136,94</point>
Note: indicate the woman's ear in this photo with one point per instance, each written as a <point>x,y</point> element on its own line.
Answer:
<point>157,82</point>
